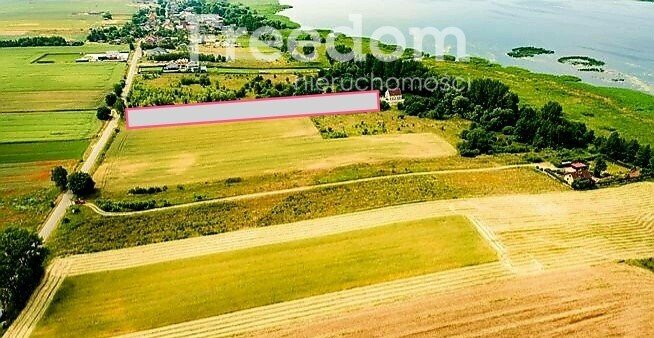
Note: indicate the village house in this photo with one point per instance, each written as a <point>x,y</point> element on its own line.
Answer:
<point>577,175</point>
<point>393,96</point>
<point>576,170</point>
<point>184,66</point>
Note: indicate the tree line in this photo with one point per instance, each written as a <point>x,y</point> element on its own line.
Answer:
<point>39,41</point>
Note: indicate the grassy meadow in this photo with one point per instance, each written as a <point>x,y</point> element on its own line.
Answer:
<point>71,19</point>
<point>170,156</point>
<point>86,231</point>
<point>28,86</point>
<point>117,302</point>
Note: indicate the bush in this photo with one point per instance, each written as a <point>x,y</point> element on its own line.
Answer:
<point>121,206</point>
<point>233,180</point>
<point>147,191</point>
<point>583,184</point>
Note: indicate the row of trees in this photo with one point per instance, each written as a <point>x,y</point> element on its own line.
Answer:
<point>631,152</point>
<point>39,41</point>
<point>81,184</point>
<point>112,100</point>
<point>22,256</point>
<point>144,95</point>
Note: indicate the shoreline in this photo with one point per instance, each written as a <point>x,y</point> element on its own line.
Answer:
<point>613,79</point>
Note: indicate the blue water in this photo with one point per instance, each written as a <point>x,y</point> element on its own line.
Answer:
<point>619,32</point>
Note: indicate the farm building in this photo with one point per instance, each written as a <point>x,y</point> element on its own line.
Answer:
<point>184,66</point>
<point>107,56</point>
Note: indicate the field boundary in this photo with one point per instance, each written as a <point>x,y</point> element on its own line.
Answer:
<point>101,212</point>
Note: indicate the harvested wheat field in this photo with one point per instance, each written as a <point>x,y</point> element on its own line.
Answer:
<point>606,300</point>
<point>544,239</point>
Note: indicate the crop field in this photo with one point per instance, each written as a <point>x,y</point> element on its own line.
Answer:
<point>599,299</point>
<point>26,193</point>
<point>70,19</point>
<point>42,151</point>
<point>200,287</point>
<point>206,153</point>
<point>49,126</point>
<point>86,231</point>
<point>603,109</point>
<point>551,247</point>
<point>29,87</point>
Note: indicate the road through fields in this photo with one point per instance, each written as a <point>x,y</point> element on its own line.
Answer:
<point>96,149</point>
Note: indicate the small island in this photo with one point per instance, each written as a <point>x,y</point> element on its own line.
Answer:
<point>522,52</point>
<point>584,63</point>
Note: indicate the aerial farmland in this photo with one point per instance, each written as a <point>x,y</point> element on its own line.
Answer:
<point>482,198</point>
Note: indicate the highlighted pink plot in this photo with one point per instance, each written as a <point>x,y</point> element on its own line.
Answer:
<point>246,110</point>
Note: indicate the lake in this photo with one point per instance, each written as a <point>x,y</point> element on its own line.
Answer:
<point>619,32</point>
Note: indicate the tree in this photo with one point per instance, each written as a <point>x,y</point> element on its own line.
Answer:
<point>81,184</point>
<point>110,99</point>
<point>384,106</point>
<point>643,156</point>
<point>631,150</point>
<point>104,113</point>
<point>118,87</point>
<point>614,147</point>
<point>59,175</point>
<point>21,267</point>
<point>600,167</point>
<point>120,107</point>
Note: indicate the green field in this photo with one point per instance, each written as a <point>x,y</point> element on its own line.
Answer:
<point>51,126</point>
<point>86,231</point>
<point>42,151</point>
<point>29,87</point>
<point>67,18</point>
<point>117,302</point>
<point>207,153</point>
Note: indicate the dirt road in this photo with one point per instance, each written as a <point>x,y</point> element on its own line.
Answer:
<point>99,211</point>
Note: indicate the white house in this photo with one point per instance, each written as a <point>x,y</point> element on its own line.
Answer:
<point>393,96</point>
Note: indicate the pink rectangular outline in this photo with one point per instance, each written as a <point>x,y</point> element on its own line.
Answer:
<point>127,124</point>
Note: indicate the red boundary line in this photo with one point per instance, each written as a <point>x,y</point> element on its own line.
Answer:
<point>252,118</point>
